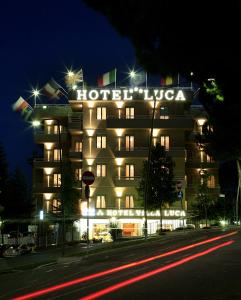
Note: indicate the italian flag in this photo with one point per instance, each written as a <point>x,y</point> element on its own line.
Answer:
<point>107,78</point>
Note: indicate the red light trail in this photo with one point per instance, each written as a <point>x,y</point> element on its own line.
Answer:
<point>117,269</point>
<point>152,273</point>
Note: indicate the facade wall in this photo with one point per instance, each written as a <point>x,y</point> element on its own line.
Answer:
<point>123,129</point>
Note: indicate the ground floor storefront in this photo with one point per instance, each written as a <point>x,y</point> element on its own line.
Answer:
<point>130,222</point>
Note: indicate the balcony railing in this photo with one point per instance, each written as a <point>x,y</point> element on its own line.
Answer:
<point>127,181</point>
<point>145,121</point>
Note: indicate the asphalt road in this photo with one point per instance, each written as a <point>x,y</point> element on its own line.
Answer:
<point>210,270</point>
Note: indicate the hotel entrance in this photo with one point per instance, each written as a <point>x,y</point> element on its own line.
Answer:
<point>130,229</point>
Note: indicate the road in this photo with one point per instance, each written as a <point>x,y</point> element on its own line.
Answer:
<point>201,265</point>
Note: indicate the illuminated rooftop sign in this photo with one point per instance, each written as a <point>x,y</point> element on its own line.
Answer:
<point>172,94</point>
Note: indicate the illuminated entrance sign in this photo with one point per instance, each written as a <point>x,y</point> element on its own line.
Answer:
<point>174,94</point>
<point>168,213</point>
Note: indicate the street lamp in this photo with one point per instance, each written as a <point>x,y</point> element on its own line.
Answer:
<point>147,181</point>
<point>35,94</point>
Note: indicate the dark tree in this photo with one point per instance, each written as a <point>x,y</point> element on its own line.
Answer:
<point>18,206</point>
<point>181,36</point>
<point>70,196</point>
<point>3,179</point>
<point>160,183</point>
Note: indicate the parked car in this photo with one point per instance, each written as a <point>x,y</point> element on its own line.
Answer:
<point>3,248</point>
<point>190,226</point>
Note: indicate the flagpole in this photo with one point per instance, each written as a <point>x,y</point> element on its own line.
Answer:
<point>146,79</point>
<point>115,77</point>
<point>178,79</point>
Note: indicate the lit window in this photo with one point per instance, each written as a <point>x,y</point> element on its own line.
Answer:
<point>130,112</point>
<point>165,141</point>
<point>211,181</point>
<point>57,154</point>
<point>56,206</point>
<point>164,113</point>
<point>101,141</point>
<point>101,113</point>
<point>130,172</point>
<point>57,180</point>
<point>100,202</point>
<point>129,201</point>
<point>78,174</point>
<point>100,170</point>
<point>129,142</point>
<point>57,129</point>
<point>209,159</point>
<point>78,146</point>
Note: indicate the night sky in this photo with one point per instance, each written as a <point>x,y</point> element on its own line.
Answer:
<point>39,40</point>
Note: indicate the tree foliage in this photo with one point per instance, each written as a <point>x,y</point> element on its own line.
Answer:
<point>3,178</point>
<point>180,36</point>
<point>69,194</point>
<point>160,183</point>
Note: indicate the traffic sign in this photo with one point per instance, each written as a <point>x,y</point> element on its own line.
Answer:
<point>88,177</point>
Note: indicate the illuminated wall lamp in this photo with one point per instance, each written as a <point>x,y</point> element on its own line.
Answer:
<point>90,132</point>
<point>119,131</point>
<point>201,121</point>
<point>119,161</point>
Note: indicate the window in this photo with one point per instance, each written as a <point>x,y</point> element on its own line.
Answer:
<point>56,130</point>
<point>164,113</point>
<point>56,205</point>
<point>101,141</point>
<point>100,170</point>
<point>209,159</point>
<point>57,180</point>
<point>129,142</point>
<point>100,201</point>
<point>78,146</point>
<point>211,181</point>
<point>78,174</point>
<point>101,113</point>
<point>165,141</point>
<point>129,201</point>
<point>130,172</point>
<point>130,112</point>
<point>57,154</point>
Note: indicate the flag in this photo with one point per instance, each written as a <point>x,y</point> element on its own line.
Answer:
<point>24,107</point>
<point>138,78</point>
<point>166,80</point>
<point>27,112</point>
<point>20,104</point>
<point>74,78</point>
<point>52,89</point>
<point>107,78</point>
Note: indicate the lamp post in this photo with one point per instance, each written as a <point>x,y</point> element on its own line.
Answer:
<point>148,171</point>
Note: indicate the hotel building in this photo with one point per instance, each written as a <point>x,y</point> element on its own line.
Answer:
<point>107,132</point>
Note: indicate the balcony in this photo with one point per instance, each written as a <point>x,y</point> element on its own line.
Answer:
<point>43,188</point>
<point>194,189</point>
<point>124,181</point>
<point>197,164</point>
<point>41,136</point>
<point>143,152</point>
<point>50,111</point>
<point>75,155</point>
<point>145,121</point>
<point>41,162</point>
<point>75,124</point>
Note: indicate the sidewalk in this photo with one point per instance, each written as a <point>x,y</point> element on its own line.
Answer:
<point>75,252</point>
<point>78,252</point>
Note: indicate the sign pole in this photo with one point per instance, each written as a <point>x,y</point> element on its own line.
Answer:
<point>87,195</point>
<point>88,178</point>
